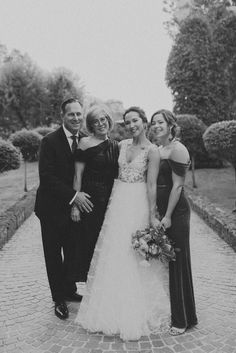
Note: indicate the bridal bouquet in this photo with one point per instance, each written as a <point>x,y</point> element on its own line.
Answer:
<point>153,244</point>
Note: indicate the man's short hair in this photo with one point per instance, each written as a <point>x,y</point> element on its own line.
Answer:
<point>69,101</point>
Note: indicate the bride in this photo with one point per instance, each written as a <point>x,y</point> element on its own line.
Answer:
<point>122,296</point>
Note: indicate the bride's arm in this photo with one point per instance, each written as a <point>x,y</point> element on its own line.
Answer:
<point>152,174</point>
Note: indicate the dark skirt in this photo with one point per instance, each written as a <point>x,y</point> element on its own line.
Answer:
<point>183,312</point>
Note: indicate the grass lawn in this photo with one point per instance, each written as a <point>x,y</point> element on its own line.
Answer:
<point>218,185</point>
<point>12,184</point>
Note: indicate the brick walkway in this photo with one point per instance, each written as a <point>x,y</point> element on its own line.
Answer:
<point>28,323</point>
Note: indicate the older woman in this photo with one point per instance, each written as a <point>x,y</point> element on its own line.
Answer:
<point>175,214</point>
<point>96,167</point>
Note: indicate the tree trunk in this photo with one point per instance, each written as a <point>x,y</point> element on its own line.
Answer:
<point>193,172</point>
<point>25,177</point>
<point>234,210</point>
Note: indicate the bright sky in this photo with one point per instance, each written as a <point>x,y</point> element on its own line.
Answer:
<point>119,48</point>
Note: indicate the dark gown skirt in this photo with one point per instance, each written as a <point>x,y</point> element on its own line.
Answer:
<point>101,168</point>
<point>183,312</point>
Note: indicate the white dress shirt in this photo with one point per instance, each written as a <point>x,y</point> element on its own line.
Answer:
<point>69,139</point>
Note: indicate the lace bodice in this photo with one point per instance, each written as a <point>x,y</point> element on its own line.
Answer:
<point>136,170</point>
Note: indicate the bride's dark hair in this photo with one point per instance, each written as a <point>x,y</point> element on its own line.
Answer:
<point>138,110</point>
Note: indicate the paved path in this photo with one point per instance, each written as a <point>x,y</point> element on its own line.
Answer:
<point>28,323</point>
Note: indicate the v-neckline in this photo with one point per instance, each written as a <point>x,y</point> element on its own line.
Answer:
<point>129,144</point>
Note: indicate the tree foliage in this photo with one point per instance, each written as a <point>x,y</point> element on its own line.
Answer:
<point>222,74</point>
<point>30,97</point>
<point>213,10</point>
<point>201,69</point>
<point>21,92</point>
<point>188,67</point>
<point>62,84</point>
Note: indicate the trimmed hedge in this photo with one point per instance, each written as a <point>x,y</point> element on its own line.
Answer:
<point>43,130</point>
<point>220,139</point>
<point>28,142</point>
<point>9,156</point>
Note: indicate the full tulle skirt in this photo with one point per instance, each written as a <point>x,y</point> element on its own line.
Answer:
<point>123,296</point>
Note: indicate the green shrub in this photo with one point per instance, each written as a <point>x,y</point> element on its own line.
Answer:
<point>28,143</point>
<point>43,130</point>
<point>9,156</point>
<point>119,132</point>
<point>220,140</point>
<point>191,131</point>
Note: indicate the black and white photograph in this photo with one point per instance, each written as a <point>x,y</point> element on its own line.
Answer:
<point>117,176</point>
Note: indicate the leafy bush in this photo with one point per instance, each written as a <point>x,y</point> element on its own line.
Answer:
<point>119,132</point>
<point>9,156</point>
<point>192,129</point>
<point>191,133</point>
<point>43,130</point>
<point>28,142</point>
<point>220,139</point>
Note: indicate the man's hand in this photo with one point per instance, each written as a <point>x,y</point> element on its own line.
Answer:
<point>83,203</point>
<point>75,213</point>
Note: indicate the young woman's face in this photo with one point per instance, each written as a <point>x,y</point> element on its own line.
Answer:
<point>134,124</point>
<point>159,126</point>
<point>100,125</point>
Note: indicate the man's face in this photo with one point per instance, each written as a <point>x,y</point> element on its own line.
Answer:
<point>73,118</point>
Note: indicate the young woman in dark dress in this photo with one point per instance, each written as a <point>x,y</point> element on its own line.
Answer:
<point>96,167</point>
<point>174,210</point>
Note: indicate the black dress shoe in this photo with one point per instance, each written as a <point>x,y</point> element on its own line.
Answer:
<point>74,297</point>
<point>61,310</point>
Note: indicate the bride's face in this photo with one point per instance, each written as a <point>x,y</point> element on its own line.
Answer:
<point>134,124</point>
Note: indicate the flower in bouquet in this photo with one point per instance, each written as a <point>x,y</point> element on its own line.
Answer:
<point>153,243</point>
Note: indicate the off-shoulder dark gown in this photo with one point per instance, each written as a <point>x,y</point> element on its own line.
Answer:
<point>101,168</point>
<point>183,312</point>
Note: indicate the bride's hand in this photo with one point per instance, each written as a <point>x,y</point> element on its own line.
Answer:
<point>75,213</point>
<point>165,222</point>
<point>155,223</point>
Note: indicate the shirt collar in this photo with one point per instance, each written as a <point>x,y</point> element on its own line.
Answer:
<point>68,133</point>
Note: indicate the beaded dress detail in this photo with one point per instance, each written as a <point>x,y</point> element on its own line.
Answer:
<point>122,296</point>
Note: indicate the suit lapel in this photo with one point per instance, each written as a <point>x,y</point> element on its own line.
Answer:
<point>64,142</point>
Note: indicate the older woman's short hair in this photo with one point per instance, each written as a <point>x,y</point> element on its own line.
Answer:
<point>96,111</point>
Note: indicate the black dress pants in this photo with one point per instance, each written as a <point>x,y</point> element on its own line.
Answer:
<point>58,245</point>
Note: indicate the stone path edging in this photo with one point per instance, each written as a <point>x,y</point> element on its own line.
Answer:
<point>13,217</point>
<point>223,222</point>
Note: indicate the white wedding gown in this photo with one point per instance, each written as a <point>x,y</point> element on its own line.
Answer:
<point>122,296</point>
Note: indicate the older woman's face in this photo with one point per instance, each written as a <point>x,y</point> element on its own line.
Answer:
<point>159,126</point>
<point>100,124</point>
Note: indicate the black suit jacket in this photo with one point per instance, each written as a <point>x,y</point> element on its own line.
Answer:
<point>56,174</point>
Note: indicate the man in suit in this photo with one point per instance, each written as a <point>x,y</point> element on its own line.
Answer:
<point>54,200</point>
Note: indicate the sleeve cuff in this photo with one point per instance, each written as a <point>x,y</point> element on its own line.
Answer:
<point>72,200</point>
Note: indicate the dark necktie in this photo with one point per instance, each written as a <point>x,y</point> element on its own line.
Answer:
<point>74,143</point>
